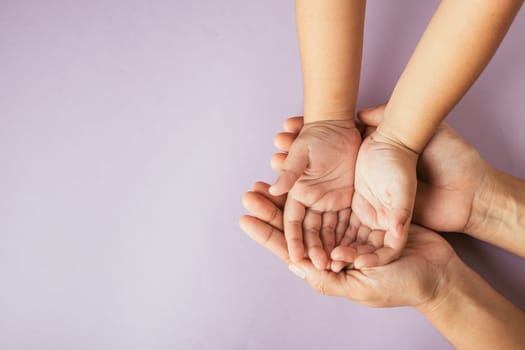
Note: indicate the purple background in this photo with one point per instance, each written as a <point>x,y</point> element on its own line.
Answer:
<point>129,131</point>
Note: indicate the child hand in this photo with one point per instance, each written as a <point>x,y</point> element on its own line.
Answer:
<point>318,173</point>
<point>385,190</point>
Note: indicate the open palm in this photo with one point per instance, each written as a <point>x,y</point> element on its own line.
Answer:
<point>410,280</point>
<point>449,172</point>
<point>318,174</point>
<point>385,190</point>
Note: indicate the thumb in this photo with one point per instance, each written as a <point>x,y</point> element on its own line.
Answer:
<point>293,167</point>
<point>399,223</point>
<point>372,116</point>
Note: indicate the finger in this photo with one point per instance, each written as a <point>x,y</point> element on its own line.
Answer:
<point>293,124</point>
<point>262,188</point>
<point>372,116</point>
<point>362,234</point>
<point>351,231</point>
<point>368,131</point>
<point>278,161</point>
<point>294,214</point>
<point>312,241</point>
<point>283,141</point>
<point>363,248</point>
<point>345,254</point>
<point>381,256</point>
<point>323,281</point>
<point>343,219</point>
<point>376,238</point>
<point>338,266</point>
<point>328,231</point>
<point>393,245</point>
<point>265,235</point>
<point>263,209</point>
<point>293,167</point>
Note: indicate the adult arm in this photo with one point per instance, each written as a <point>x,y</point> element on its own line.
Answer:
<point>471,314</point>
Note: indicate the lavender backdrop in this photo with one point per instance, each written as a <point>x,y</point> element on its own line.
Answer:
<point>129,131</point>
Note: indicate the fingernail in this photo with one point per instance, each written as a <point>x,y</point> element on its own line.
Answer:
<point>297,271</point>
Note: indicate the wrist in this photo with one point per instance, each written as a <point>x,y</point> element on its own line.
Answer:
<point>449,291</point>
<point>312,115</point>
<point>407,129</point>
<point>497,208</point>
<point>384,136</point>
<point>487,204</point>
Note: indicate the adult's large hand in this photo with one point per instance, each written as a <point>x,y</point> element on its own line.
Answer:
<point>414,279</point>
<point>318,173</point>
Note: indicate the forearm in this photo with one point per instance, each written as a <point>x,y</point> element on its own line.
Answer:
<point>498,211</point>
<point>458,43</point>
<point>330,39</point>
<point>472,315</point>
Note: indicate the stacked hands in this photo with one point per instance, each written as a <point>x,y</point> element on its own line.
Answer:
<point>350,204</point>
<point>342,191</point>
<point>344,208</point>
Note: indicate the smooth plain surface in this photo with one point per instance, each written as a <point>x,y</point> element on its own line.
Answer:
<point>129,131</point>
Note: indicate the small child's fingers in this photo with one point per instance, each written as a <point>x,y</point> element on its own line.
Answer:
<point>380,257</point>
<point>328,231</point>
<point>351,231</point>
<point>314,246</point>
<point>338,266</point>
<point>345,254</point>
<point>293,124</point>
<point>343,219</point>
<point>376,238</point>
<point>362,234</point>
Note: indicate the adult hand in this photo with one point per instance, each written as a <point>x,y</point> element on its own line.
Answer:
<point>412,280</point>
<point>318,173</point>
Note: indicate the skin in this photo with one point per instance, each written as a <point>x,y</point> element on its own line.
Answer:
<point>381,286</point>
<point>458,43</point>
<point>319,171</point>
<point>457,190</point>
<point>428,275</point>
<point>449,172</point>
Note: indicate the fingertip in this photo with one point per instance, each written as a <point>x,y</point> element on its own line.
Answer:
<point>337,266</point>
<point>346,254</point>
<point>247,224</point>
<point>260,186</point>
<point>246,199</point>
<point>365,261</point>
<point>242,222</point>
<point>277,161</point>
<point>274,191</point>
